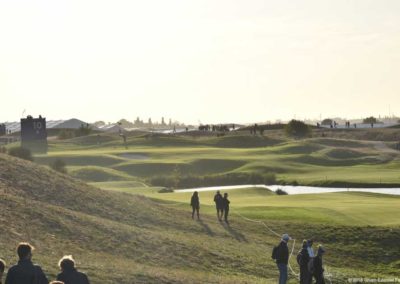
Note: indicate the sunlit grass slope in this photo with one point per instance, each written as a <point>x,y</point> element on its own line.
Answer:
<point>127,238</point>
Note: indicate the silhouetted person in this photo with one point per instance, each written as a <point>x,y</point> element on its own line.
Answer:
<point>225,206</point>
<point>218,205</point>
<point>69,274</point>
<point>318,269</point>
<point>281,256</point>
<point>2,267</point>
<point>195,203</point>
<point>302,259</point>
<point>25,272</point>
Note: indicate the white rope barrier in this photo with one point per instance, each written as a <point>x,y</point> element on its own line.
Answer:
<point>276,234</point>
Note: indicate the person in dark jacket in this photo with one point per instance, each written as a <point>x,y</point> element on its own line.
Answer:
<point>318,269</point>
<point>218,205</point>
<point>2,267</point>
<point>282,258</point>
<point>302,259</point>
<point>25,272</point>
<point>225,206</point>
<point>195,203</point>
<point>69,274</point>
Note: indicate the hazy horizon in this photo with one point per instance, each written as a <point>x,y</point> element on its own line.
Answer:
<point>199,61</point>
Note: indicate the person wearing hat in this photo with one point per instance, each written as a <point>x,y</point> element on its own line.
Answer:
<point>318,269</point>
<point>281,256</point>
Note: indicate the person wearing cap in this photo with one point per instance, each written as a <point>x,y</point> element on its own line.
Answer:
<point>318,269</point>
<point>282,258</point>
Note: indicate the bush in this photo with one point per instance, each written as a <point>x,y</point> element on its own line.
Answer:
<point>21,153</point>
<point>327,121</point>
<point>370,120</point>
<point>59,166</point>
<point>298,129</point>
<point>165,190</point>
<point>66,134</point>
<point>84,130</point>
<point>280,191</point>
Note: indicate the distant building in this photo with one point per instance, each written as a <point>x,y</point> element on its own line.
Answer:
<point>3,129</point>
<point>34,134</point>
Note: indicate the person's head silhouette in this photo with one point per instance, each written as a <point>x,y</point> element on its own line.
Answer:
<point>24,251</point>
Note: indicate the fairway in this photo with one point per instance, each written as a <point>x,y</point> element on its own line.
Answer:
<point>342,208</point>
<point>308,162</point>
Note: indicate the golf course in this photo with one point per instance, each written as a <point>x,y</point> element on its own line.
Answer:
<point>118,209</point>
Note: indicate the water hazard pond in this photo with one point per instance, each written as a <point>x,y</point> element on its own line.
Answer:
<point>290,189</point>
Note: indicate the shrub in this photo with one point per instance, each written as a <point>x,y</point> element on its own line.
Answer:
<point>165,190</point>
<point>280,191</point>
<point>66,134</point>
<point>21,153</point>
<point>298,129</point>
<point>84,130</point>
<point>327,121</point>
<point>59,166</point>
<point>370,120</point>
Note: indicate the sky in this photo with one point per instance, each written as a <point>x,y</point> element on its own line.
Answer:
<point>207,61</point>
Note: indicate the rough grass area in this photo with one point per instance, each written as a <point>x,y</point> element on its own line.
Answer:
<point>118,237</point>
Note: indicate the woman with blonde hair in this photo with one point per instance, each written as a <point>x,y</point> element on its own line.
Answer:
<point>69,274</point>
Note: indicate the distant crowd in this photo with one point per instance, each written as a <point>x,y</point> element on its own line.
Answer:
<point>310,263</point>
<point>25,272</point>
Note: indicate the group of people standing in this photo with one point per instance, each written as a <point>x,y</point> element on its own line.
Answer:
<point>310,263</point>
<point>221,204</point>
<point>25,272</point>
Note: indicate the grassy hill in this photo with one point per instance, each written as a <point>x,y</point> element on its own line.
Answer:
<point>118,237</point>
<point>313,161</point>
